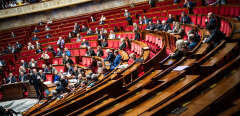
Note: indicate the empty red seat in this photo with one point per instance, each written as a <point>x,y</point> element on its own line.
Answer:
<point>93,43</point>
<point>193,19</point>
<point>59,68</point>
<point>82,51</point>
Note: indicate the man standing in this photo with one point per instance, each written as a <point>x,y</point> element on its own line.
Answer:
<point>36,81</point>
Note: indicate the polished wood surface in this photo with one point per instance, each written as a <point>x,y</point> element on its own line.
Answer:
<point>16,90</point>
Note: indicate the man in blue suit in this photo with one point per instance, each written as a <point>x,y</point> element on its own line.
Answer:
<point>117,60</point>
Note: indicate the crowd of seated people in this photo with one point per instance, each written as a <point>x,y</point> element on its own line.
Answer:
<point>28,70</point>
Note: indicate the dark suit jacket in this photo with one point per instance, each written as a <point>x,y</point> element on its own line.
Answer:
<point>70,70</point>
<point>100,53</point>
<point>43,76</point>
<point>85,43</point>
<point>12,80</point>
<point>137,36</point>
<point>34,81</point>
<point>91,52</point>
<point>150,27</point>
<point>186,20</point>
<point>170,20</point>
<point>22,78</point>
<point>166,27</point>
<point>101,36</point>
<point>129,19</point>
<point>122,46</point>
<point>110,57</point>
<point>104,44</point>
<point>68,61</point>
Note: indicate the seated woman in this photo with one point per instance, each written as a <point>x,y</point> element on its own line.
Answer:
<point>112,35</point>
<point>180,49</point>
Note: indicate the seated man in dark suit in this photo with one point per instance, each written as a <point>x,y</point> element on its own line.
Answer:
<point>158,26</point>
<point>123,44</point>
<point>110,57</point>
<point>165,26</point>
<point>150,26</point>
<point>67,60</point>
<point>214,38</point>
<point>99,51</point>
<point>50,49</point>
<point>18,46</point>
<point>22,77</point>
<point>75,31</point>
<point>145,20</point>
<point>84,28</point>
<point>101,36</point>
<point>211,22</point>
<point>90,52</point>
<point>84,43</point>
<point>170,18</point>
<point>185,19</point>
<point>129,20</point>
<point>48,36</point>
<point>104,43</point>
<point>11,79</point>
<point>36,30</point>
<point>34,38</point>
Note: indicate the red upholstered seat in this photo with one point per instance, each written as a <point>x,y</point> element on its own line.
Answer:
<point>116,44</point>
<point>203,24</point>
<point>93,43</point>
<point>86,61</point>
<point>82,51</point>
<point>193,19</point>
<point>75,52</point>
<point>55,61</point>
<point>110,43</point>
<point>59,68</point>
